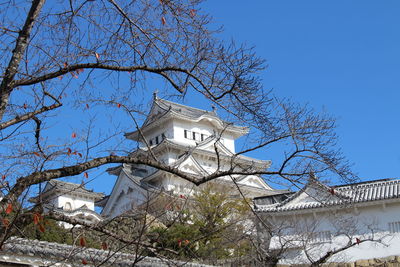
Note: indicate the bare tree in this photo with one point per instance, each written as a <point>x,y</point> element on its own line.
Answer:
<point>64,57</point>
<point>315,239</point>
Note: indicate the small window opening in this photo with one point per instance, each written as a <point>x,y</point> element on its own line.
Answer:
<point>68,206</point>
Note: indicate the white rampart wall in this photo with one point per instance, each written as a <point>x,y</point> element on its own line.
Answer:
<point>378,221</point>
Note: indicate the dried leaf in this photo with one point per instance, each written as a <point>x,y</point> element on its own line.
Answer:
<point>86,175</point>
<point>84,262</point>
<point>104,245</point>
<point>60,78</point>
<point>69,151</point>
<point>6,222</point>
<point>25,106</point>
<point>41,228</point>
<point>82,242</point>
<point>73,135</point>
<point>192,12</point>
<point>118,105</point>
<point>3,177</point>
<point>80,155</point>
<point>36,154</point>
<point>332,191</point>
<point>65,64</point>
<point>97,55</point>
<point>163,21</point>
<point>36,218</point>
<point>87,106</point>
<point>9,208</point>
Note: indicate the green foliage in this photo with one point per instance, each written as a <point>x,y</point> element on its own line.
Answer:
<point>208,226</point>
<point>211,226</point>
<point>49,230</point>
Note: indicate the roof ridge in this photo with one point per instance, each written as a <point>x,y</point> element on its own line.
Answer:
<point>182,105</point>
<point>369,183</point>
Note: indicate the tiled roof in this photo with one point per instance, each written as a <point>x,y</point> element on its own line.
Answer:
<point>61,253</point>
<point>168,109</point>
<point>84,210</point>
<point>258,163</point>
<point>71,187</point>
<point>337,195</point>
<point>184,110</point>
<point>179,109</point>
<point>57,186</point>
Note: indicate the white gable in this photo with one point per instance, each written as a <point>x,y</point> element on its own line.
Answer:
<point>191,166</point>
<point>125,195</point>
<point>254,181</point>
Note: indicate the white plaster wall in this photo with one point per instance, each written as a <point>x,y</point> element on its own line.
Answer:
<point>178,186</point>
<point>202,127</point>
<point>179,127</point>
<point>228,141</point>
<point>76,202</point>
<point>165,128</point>
<point>126,195</point>
<point>363,221</point>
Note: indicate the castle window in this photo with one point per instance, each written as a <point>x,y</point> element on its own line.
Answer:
<point>163,136</point>
<point>193,135</point>
<point>394,227</point>
<point>67,206</point>
<point>151,142</point>
<point>320,237</point>
<point>157,140</point>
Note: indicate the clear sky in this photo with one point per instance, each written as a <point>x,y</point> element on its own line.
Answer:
<point>341,56</point>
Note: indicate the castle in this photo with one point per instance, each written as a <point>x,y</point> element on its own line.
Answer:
<point>195,141</point>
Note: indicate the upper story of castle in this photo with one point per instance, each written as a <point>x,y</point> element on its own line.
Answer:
<point>184,125</point>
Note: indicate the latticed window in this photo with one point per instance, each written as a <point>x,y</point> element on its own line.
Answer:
<point>319,237</point>
<point>194,135</point>
<point>394,227</point>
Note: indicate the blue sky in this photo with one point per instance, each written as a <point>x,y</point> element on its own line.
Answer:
<point>340,56</point>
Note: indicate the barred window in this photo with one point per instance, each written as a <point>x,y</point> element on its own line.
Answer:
<point>394,227</point>
<point>191,135</point>
<point>319,237</point>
